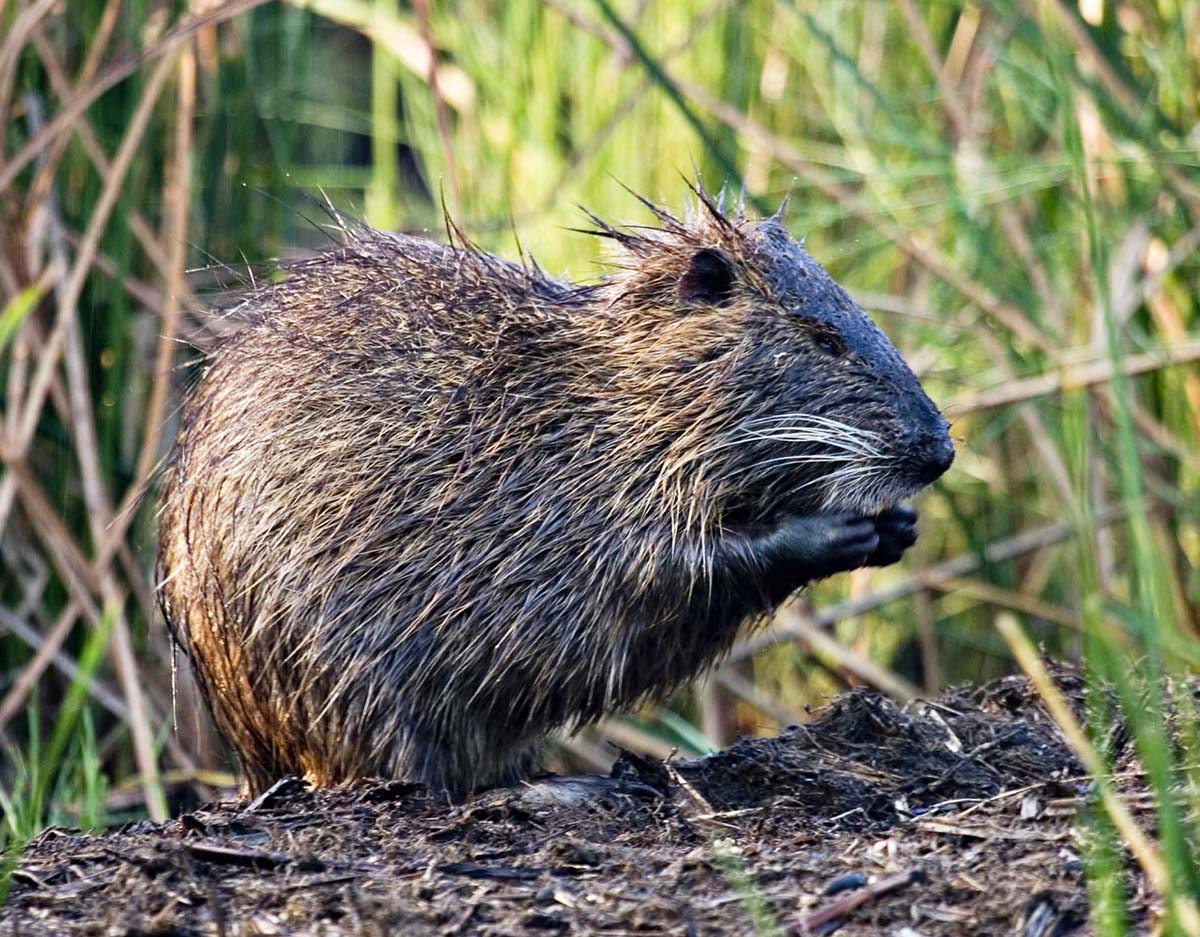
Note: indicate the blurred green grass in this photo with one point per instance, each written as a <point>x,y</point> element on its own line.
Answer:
<point>1012,187</point>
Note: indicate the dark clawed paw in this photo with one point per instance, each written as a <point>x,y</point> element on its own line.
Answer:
<point>820,545</point>
<point>852,541</point>
<point>897,530</point>
<point>804,548</point>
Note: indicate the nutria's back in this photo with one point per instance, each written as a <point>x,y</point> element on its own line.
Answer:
<point>426,505</point>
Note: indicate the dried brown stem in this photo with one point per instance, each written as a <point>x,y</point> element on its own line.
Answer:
<point>818,921</point>
<point>1007,598</point>
<point>65,340</point>
<point>62,88</point>
<point>82,128</point>
<point>1072,376</point>
<point>819,642</point>
<point>114,74</point>
<point>748,692</point>
<point>177,201</point>
<point>964,129</point>
<point>10,51</point>
<point>15,448</point>
<point>421,8</point>
<point>43,645</point>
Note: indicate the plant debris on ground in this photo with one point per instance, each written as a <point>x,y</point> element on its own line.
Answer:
<point>965,815</point>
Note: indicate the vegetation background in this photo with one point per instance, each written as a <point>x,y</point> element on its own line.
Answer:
<point>1011,186</point>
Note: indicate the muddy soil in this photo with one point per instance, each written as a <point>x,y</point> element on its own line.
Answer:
<point>964,817</point>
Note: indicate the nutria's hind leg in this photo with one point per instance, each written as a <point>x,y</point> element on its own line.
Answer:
<point>462,761</point>
<point>511,767</point>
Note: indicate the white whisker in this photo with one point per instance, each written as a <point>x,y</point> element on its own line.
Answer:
<point>801,419</point>
<point>850,445</point>
<point>851,471</point>
<point>804,460</point>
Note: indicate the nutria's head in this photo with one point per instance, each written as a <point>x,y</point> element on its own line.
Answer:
<point>810,407</point>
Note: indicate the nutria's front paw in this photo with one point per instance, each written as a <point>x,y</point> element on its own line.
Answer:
<point>897,530</point>
<point>820,545</point>
<point>808,547</point>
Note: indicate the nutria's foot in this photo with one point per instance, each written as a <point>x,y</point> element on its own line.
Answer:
<point>897,530</point>
<point>571,791</point>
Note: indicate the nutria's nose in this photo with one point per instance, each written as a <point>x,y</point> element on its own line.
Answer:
<point>935,453</point>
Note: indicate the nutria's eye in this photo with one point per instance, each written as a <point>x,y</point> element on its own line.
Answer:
<point>829,341</point>
<point>829,345</point>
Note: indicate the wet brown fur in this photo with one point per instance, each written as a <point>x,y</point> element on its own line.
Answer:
<point>426,505</point>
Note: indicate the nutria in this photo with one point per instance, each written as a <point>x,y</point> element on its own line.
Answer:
<point>426,505</point>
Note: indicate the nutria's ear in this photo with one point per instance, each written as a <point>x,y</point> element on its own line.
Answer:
<point>708,280</point>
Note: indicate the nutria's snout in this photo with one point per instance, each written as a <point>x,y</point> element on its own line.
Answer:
<point>932,453</point>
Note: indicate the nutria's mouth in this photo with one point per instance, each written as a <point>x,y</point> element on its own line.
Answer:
<point>868,500</point>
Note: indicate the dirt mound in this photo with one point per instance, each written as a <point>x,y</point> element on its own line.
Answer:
<point>957,818</point>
